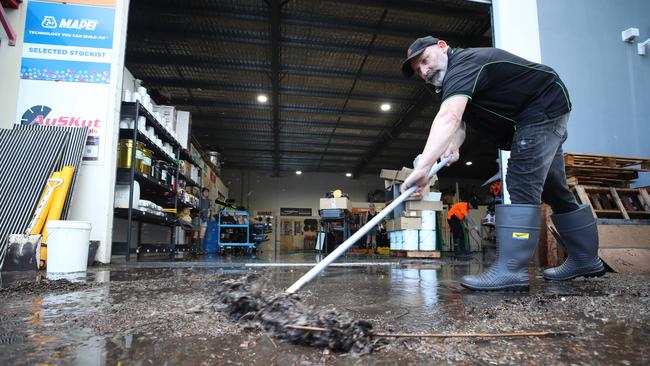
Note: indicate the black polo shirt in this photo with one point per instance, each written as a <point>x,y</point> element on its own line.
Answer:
<point>504,90</point>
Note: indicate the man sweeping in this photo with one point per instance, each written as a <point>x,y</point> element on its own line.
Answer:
<point>525,107</point>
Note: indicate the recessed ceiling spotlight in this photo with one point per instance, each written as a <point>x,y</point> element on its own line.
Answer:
<point>385,107</point>
<point>298,172</point>
<point>348,175</point>
<point>468,163</point>
<point>262,98</point>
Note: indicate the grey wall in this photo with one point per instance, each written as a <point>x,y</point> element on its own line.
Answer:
<point>257,190</point>
<point>608,81</point>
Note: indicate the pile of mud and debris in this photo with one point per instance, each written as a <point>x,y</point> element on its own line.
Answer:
<point>42,285</point>
<point>287,318</point>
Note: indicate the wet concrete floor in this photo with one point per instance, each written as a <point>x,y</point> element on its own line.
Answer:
<point>166,313</point>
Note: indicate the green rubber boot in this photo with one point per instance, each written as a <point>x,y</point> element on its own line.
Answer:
<point>517,232</point>
<point>580,238</point>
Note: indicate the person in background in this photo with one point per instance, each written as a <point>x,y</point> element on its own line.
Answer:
<point>371,237</point>
<point>205,211</point>
<point>457,214</point>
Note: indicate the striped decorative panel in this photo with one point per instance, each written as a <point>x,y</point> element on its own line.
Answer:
<point>72,154</point>
<point>27,159</point>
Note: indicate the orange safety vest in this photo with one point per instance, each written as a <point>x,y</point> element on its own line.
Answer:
<point>459,210</point>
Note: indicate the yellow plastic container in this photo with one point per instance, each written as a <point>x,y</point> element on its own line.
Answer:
<point>124,148</point>
<point>382,250</point>
<point>145,163</point>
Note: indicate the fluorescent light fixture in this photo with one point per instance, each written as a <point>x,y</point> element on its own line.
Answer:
<point>385,107</point>
<point>298,172</point>
<point>468,163</point>
<point>348,175</point>
<point>262,98</point>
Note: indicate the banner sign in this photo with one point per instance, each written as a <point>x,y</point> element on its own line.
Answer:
<point>66,68</point>
<point>68,42</point>
<point>67,105</point>
<point>284,211</point>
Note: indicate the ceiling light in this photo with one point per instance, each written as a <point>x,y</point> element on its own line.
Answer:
<point>385,107</point>
<point>262,98</point>
<point>298,172</point>
<point>348,175</point>
<point>468,163</point>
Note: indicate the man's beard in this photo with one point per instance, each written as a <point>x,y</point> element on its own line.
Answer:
<point>435,78</point>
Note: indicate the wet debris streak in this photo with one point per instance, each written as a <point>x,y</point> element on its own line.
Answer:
<point>446,335</point>
<point>42,285</point>
<point>274,313</point>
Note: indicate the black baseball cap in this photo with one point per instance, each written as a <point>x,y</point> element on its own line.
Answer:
<point>414,50</point>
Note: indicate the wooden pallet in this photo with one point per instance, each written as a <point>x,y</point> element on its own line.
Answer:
<point>603,170</point>
<point>611,202</point>
<point>596,181</point>
<point>416,253</point>
<point>605,161</point>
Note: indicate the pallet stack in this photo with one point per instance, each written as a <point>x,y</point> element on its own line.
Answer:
<point>622,213</point>
<point>603,182</point>
<point>412,226</point>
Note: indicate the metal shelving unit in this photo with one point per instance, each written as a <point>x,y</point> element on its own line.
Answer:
<point>243,227</point>
<point>149,187</point>
<point>332,221</point>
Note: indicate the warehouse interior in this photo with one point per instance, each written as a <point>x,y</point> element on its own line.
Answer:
<point>215,206</point>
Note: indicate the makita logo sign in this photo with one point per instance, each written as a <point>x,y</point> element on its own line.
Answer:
<point>50,22</point>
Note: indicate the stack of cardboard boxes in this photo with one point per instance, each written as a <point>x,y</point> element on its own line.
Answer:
<point>412,225</point>
<point>342,203</point>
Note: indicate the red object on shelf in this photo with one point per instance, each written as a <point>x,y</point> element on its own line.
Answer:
<point>10,3</point>
<point>7,26</point>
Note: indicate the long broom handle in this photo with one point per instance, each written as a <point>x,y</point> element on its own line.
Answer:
<point>307,277</point>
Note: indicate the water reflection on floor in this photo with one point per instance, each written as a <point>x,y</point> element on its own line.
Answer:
<point>415,295</point>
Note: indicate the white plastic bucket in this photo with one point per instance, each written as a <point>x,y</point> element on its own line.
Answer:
<point>428,220</point>
<point>67,246</point>
<point>427,240</point>
<point>410,239</point>
<point>399,240</point>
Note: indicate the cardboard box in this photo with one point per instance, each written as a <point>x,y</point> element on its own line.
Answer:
<point>432,196</point>
<point>183,127</point>
<point>411,214</point>
<point>421,205</point>
<point>408,223</point>
<point>340,203</point>
<point>186,169</point>
<point>391,177</point>
<point>425,191</point>
<point>390,225</point>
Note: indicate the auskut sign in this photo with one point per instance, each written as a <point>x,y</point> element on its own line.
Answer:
<point>45,116</point>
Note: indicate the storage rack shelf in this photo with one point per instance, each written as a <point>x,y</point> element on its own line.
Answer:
<point>184,205</point>
<point>142,216</point>
<point>150,187</point>
<point>185,155</point>
<point>135,108</point>
<point>127,133</point>
<point>245,227</point>
<point>146,182</point>
<point>334,220</point>
<point>188,181</point>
